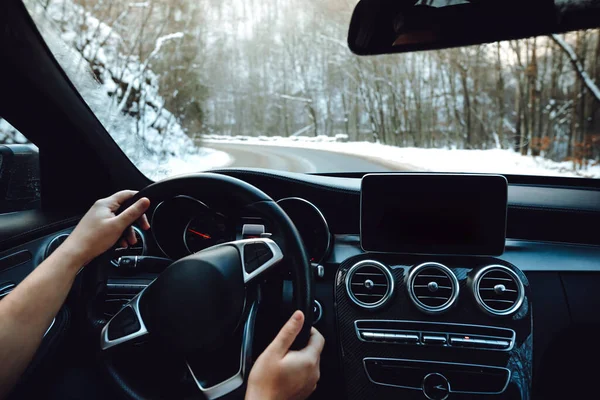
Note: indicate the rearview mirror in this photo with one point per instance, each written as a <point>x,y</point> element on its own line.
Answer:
<point>397,26</point>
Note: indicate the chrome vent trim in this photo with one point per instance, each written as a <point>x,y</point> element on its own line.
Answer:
<point>55,243</point>
<point>432,287</point>
<point>498,290</point>
<point>369,284</point>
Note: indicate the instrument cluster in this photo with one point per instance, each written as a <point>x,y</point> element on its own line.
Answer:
<point>184,225</point>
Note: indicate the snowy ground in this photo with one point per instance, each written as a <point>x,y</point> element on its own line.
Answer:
<point>202,160</point>
<point>439,160</point>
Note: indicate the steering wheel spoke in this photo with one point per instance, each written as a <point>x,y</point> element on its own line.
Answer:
<point>212,378</point>
<point>124,326</point>
<point>257,255</point>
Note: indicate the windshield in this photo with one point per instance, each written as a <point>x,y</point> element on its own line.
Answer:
<point>189,85</point>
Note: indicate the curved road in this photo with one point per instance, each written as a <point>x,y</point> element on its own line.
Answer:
<point>296,159</point>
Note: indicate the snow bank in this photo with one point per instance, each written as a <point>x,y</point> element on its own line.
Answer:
<point>438,160</point>
<point>122,91</point>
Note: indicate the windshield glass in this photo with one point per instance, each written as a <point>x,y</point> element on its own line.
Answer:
<point>189,85</point>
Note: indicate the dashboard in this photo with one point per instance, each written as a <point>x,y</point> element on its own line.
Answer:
<point>407,324</point>
<point>400,325</point>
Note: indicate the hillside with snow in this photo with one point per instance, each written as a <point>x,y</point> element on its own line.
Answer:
<point>122,90</point>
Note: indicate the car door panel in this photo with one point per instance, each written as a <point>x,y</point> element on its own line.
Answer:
<point>15,264</point>
<point>20,227</point>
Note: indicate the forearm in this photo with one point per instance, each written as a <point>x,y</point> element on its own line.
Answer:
<point>26,313</point>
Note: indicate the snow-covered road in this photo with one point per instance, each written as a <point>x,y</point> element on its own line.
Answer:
<point>297,159</point>
<point>327,154</point>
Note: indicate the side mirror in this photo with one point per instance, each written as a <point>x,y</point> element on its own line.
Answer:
<point>20,185</point>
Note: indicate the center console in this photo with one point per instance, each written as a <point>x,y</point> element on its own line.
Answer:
<point>470,337</point>
<point>427,311</point>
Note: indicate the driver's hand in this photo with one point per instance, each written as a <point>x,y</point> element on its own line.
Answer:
<point>281,373</point>
<point>100,228</point>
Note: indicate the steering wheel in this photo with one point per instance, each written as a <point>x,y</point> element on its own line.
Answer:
<point>206,301</point>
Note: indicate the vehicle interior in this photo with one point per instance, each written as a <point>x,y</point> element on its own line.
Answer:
<point>437,285</point>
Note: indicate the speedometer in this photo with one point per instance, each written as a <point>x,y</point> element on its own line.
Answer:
<point>205,230</point>
<point>311,225</point>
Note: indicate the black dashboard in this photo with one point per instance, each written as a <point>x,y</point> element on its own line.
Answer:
<point>405,326</point>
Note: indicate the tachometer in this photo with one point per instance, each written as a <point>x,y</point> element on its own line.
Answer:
<point>205,230</point>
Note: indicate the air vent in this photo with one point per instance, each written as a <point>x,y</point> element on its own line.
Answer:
<point>498,290</point>
<point>432,287</point>
<point>55,243</point>
<point>369,284</point>
<point>137,249</point>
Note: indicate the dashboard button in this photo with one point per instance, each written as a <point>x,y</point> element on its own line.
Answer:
<point>434,339</point>
<point>466,341</point>
<point>498,344</point>
<point>368,335</point>
<point>407,338</point>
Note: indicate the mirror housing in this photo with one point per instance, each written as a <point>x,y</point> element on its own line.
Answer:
<point>398,26</point>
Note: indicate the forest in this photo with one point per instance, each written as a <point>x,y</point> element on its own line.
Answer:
<point>283,68</point>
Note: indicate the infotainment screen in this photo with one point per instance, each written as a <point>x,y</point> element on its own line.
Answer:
<point>433,213</point>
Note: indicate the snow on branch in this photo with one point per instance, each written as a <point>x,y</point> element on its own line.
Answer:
<point>143,4</point>
<point>591,85</point>
<point>161,40</point>
<point>295,98</point>
<point>159,43</point>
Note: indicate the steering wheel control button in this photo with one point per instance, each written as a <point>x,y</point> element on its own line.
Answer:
<point>255,255</point>
<point>317,312</point>
<point>434,339</point>
<point>436,387</point>
<point>123,324</point>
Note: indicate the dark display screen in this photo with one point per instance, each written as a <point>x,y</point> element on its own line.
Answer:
<point>433,213</point>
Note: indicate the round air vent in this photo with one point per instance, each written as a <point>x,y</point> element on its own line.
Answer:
<point>498,290</point>
<point>138,249</point>
<point>54,243</point>
<point>432,287</point>
<point>369,284</point>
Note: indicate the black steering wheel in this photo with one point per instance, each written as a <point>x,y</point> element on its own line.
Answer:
<point>200,301</point>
